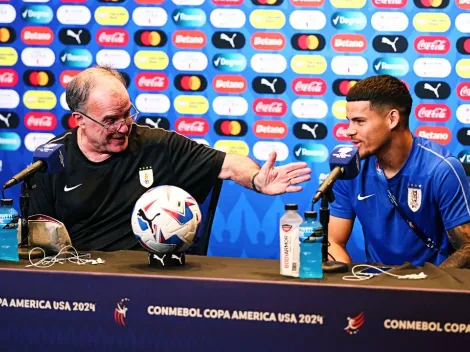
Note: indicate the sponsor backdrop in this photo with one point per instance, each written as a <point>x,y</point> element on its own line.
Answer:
<point>245,76</point>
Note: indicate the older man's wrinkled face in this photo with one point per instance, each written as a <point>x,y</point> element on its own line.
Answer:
<point>109,104</point>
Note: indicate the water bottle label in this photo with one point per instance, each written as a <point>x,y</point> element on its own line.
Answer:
<point>289,250</point>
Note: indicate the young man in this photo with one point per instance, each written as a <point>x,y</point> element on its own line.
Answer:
<point>430,221</point>
<point>108,154</point>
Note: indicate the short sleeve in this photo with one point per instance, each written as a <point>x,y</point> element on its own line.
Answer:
<point>40,196</point>
<point>452,192</point>
<point>341,207</point>
<point>196,166</point>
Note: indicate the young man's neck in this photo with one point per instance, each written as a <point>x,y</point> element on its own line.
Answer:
<point>394,155</point>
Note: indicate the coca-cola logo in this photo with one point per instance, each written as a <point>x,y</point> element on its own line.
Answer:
<point>389,4</point>
<point>270,129</point>
<point>151,81</point>
<point>439,134</point>
<point>433,112</point>
<point>8,78</point>
<point>40,121</point>
<point>339,131</point>
<point>463,90</point>
<point>192,126</point>
<point>269,107</point>
<point>432,44</point>
<point>66,76</point>
<point>112,37</point>
<point>309,86</point>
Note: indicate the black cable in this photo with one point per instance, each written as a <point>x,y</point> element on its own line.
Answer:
<point>332,257</point>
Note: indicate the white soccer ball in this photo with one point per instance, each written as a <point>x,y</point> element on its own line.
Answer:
<point>165,219</point>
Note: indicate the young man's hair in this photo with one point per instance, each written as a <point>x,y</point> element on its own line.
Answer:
<point>79,88</point>
<point>384,92</point>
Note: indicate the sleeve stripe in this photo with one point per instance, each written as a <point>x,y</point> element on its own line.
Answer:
<point>455,172</point>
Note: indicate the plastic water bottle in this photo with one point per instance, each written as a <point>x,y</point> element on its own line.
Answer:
<point>289,240</point>
<point>310,238</point>
<point>8,231</point>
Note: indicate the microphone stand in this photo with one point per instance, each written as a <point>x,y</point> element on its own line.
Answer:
<point>327,265</point>
<point>24,251</point>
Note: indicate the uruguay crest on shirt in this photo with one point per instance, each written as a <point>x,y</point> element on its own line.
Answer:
<point>414,197</point>
<point>146,176</point>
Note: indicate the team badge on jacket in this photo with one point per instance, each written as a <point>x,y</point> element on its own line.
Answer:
<point>146,176</point>
<point>414,197</point>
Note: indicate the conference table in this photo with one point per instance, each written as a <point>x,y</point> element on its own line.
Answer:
<point>226,304</point>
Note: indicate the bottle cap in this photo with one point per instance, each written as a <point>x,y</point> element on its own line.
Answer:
<point>310,214</point>
<point>291,207</point>
<point>7,201</point>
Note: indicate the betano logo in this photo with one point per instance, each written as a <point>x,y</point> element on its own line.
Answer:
<point>463,4</point>
<point>439,134</point>
<point>37,14</point>
<point>37,35</point>
<point>8,56</point>
<point>231,84</point>
<point>308,42</point>
<point>349,20</point>
<point>229,62</point>
<point>111,15</point>
<point>349,43</point>
<point>39,100</point>
<point>66,76</point>
<point>8,77</point>
<point>230,147</point>
<point>155,38</point>
<point>112,37</point>
<point>348,4</point>
<point>308,64</point>
<point>307,20</point>
<point>149,17</point>
<point>431,22</point>
<point>391,66</point>
<point>267,19</point>
<point>191,104</point>
<point>189,39</point>
<point>309,86</point>
<point>270,129</point>
<point>311,152</point>
<point>191,17</point>
<point>38,78</point>
<point>79,58</point>
<point>151,60</point>
<point>463,68</point>
<point>268,41</point>
<point>151,81</point>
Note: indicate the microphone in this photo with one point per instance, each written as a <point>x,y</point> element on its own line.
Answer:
<point>344,165</point>
<point>48,158</point>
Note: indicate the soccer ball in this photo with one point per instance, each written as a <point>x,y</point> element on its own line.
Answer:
<point>165,219</point>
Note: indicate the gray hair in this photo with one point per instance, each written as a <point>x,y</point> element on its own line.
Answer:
<point>78,89</point>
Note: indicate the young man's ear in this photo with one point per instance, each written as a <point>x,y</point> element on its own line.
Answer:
<point>393,118</point>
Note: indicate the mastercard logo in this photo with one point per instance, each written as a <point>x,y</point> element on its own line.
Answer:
<point>38,78</point>
<point>341,87</point>
<point>267,2</point>
<point>308,42</point>
<point>226,127</point>
<point>7,35</point>
<point>463,45</point>
<point>155,38</point>
<point>431,4</point>
<point>190,83</point>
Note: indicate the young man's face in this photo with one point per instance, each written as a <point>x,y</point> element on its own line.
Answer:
<point>368,129</point>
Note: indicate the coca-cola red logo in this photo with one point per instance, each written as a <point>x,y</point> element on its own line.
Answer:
<point>433,112</point>
<point>192,126</point>
<point>151,81</point>
<point>112,37</point>
<point>339,131</point>
<point>439,134</point>
<point>309,86</point>
<point>388,4</point>
<point>66,76</point>
<point>269,107</point>
<point>227,2</point>
<point>270,129</point>
<point>8,77</point>
<point>463,90</point>
<point>40,121</point>
<point>428,44</point>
